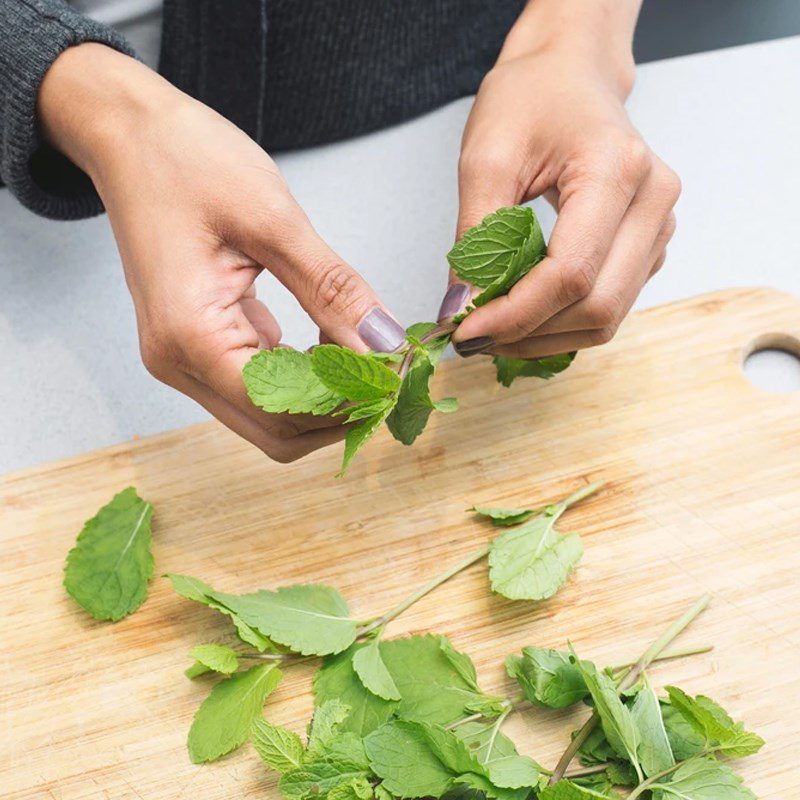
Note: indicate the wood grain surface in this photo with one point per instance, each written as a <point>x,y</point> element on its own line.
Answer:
<point>703,495</point>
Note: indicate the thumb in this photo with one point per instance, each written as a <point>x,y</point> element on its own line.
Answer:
<point>481,191</point>
<point>341,303</point>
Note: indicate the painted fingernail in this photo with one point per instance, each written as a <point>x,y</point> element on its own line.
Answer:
<point>471,347</point>
<point>380,332</point>
<point>454,300</point>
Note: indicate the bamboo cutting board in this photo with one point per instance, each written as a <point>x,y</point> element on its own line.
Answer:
<point>703,495</point>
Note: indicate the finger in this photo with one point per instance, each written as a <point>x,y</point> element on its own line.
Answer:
<point>263,321</point>
<point>627,268</point>
<point>283,443</point>
<point>331,292</point>
<point>593,204</point>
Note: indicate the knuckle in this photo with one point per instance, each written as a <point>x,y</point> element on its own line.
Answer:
<point>281,451</point>
<point>604,311</point>
<point>669,228</point>
<point>486,160</point>
<point>576,279</point>
<point>669,185</point>
<point>634,159</point>
<point>602,335</point>
<point>158,354</point>
<point>336,287</point>
<point>659,263</point>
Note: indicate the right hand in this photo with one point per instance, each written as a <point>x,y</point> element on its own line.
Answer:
<point>198,209</point>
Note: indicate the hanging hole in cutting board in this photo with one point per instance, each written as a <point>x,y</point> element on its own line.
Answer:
<point>772,362</point>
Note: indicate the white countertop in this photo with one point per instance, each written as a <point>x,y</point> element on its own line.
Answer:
<point>70,376</point>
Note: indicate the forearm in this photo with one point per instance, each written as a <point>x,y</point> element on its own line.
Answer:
<point>598,31</point>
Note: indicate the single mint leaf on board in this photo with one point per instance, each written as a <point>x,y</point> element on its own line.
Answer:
<point>567,790</point>
<point>549,678</point>
<point>505,517</point>
<point>432,688</point>
<point>279,748</point>
<point>497,252</point>
<point>684,740</point>
<point>510,368</point>
<point>533,561</point>
<point>702,779</point>
<point>337,681</point>
<point>369,667</point>
<point>712,721</point>
<point>307,618</point>
<point>283,380</point>
<point>615,717</point>
<point>360,434</point>
<point>224,720</point>
<point>108,569</point>
<point>655,752</point>
<point>194,589</point>
<point>216,658</point>
<point>352,375</point>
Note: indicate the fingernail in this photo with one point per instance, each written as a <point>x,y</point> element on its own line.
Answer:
<point>454,300</point>
<point>380,332</point>
<point>471,347</point>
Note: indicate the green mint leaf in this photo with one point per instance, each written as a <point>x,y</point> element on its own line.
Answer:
<point>224,720</point>
<point>711,721</point>
<point>215,658</point>
<point>472,786</point>
<point>596,749</point>
<point>196,670</point>
<point>497,252</point>
<point>505,517</point>
<point>108,569</point>
<point>282,380</point>
<point>308,619</point>
<point>279,748</point>
<point>702,779</point>
<point>567,790</point>
<point>355,789</point>
<point>684,740</point>
<point>352,375</point>
<point>496,752</point>
<point>435,347</point>
<point>337,681</point>
<point>510,368</point>
<point>399,753</point>
<point>414,406</point>
<point>194,589</point>
<point>366,409</point>
<point>325,726</point>
<point>599,782</point>
<point>318,778</point>
<point>369,667</point>
<point>549,678</point>
<point>533,561</point>
<point>655,753</point>
<point>432,688</point>
<point>359,435</point>
<point>461,663</point>
<point>615,717</point>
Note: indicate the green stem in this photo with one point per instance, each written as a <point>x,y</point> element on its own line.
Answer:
<point>583,772</point>
<point>628,679</point>
<point>668,656</point>
<point>582,494</point>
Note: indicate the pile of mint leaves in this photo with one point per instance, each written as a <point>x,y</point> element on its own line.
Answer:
<point>406,717</point>
<point>373,388</point>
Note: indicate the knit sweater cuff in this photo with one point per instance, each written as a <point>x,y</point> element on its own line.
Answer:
<point>33,33</point>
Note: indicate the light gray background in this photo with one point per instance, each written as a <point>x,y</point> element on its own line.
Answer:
<point>70,375</point>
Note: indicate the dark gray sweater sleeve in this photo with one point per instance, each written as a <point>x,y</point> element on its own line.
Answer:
<point>32,34</point>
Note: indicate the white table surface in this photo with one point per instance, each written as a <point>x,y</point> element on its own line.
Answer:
<point>70,374</point>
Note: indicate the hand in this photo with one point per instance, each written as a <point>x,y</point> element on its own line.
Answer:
<point>550,120</point>
<point>198,210</point>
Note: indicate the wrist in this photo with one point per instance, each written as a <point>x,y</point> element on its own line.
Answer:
<point>94,98</point>
<point>598,35</point>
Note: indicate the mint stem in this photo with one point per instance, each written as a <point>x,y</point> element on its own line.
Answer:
<point>646,784</point>
<point>435,333</point>
<point>628,679</point>
<point>668,656</point>
<point>581,494</point>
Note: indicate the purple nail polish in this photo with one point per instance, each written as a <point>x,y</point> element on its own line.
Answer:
<point>454,300</point>
<point>472,347</point>
<point>380,332</point>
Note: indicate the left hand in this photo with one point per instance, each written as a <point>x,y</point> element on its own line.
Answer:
<point>552,121</point>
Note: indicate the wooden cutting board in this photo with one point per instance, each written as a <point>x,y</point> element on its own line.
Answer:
<point>703,495</point>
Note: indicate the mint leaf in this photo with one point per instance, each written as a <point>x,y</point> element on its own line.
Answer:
<point>497,252</point>
<point>369,667</point>
<point>279,748</point>
<point>684,740</point>
<point>432,688</point>
<point>615,718</point>
<point>655,753</point>
<point>215,658</point>
<point>283,380</point>
<point>337,681</point>
<point>505,517</point>
<point>366,409</point>
<point>355,789</point>
<point>414,406</point>
<point>225,718</point>
<point>359,435</point>
<point>702,779</point>
<point>194,589</point>
<point>325,726</point>
<point>319,777</point>
<point>532,562</point>
<point>567,790</point>
<point>510,368</point>
<point>711,721</point>
<point>352,375</point>
<point>307,618</point>
<point>108,569</point>
<point>549,678</point>
<point>435,347</point>
<point>596,749</point>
